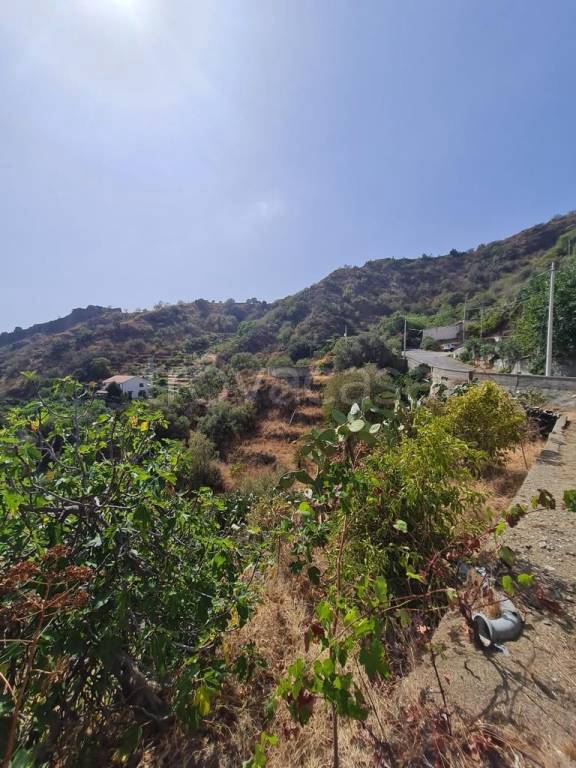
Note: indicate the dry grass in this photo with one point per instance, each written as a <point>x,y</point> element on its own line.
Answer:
<point>570,749</point>
<point>277,433</point>
<point>393,735</point>
<point>502,485</point>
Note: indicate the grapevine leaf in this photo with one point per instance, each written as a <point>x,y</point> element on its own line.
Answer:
<point>373,659</point>
<point>525,579</point>
<point>570,500</point>
<point>507,556</point>
<point>508,584</point>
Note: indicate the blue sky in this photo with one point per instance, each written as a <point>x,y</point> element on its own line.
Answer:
<point>173,149</point>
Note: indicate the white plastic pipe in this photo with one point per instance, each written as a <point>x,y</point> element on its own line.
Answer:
<point>491,632</point>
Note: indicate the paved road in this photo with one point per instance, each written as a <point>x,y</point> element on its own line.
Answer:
<point>438,359</point>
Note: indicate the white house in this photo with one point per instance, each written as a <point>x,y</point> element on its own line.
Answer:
<point>132,386</point>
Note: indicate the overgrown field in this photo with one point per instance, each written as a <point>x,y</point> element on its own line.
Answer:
<point>145,621</point>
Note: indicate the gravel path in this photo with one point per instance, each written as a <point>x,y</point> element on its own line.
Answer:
<point>531,688</point>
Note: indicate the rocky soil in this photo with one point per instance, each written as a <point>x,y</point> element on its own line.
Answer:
<point>528,687</point>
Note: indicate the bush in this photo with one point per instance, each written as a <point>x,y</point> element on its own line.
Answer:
<point>225,421</point>
<point>179,414</point>
<point>299,349</point>
<point>419,373</point>
<point>199,464</point>
<point>59,347</point>
<point>98,368</point>
<point>414,493</point>
<point>530,332</point>
<point>279,361</point>
<point>124,586</point>
<point>430,344</point>
<point>365,348</point>
<point>209,383</point>
<point>244,361</point>
<point>487,418</point>
<point>114,392</point>
<point>344,389</point>
<point>509,351</point>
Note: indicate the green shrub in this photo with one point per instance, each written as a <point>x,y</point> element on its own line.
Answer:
<point>179,413</point>
<point>114,392</point>
<point>355,351</point>
<point>509,351</point>
<point>225,421</point>
<point>487,418</point>
<point>299,349</point>
<point>279,361</point>
<point>199,464</point>
<point>530,332</point>
<point>98,369</point>
<point>114,584</point>
<point>244,361</point>
<point>209,382</point>
<point>344,389</point>
<point>430,344</point>
<point>412,496</point>
<point>569,499</point>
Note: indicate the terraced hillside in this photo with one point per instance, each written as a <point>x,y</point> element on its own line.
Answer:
<point>353,298</point>
<point>285,414</point>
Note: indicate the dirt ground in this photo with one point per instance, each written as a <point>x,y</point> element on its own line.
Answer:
<point>527,697</point>
<point>530,687</point>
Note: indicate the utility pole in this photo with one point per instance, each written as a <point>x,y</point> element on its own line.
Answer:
<point>481,322</point>
<point>464,321</point>
<point>405,333</point>
<point>550,322</point>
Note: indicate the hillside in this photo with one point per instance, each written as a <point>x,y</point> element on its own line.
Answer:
<point>173,336</point>
<point>166,336</point>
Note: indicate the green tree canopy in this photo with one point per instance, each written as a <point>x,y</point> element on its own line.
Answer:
<point>110,575</point>
<point>365,348</point>
<point>531,326</point>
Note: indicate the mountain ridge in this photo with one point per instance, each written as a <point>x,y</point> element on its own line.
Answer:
<point>350,299</point>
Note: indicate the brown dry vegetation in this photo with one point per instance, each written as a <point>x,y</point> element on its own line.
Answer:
<point>285,414</point>
<point>503,483</point>
<point>395,733</point>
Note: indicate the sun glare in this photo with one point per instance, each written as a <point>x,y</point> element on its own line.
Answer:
<point>134,9</point>
<point>129,5</point>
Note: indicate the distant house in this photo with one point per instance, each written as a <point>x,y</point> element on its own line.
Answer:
<point>444,333</point>
<point>131,386</point>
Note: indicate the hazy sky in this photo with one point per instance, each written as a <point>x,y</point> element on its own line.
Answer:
<point>171,149</point>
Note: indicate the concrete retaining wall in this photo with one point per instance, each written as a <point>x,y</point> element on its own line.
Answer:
<point>509,380</point>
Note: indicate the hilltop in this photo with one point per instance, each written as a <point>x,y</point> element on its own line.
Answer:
<point>302,325</point>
